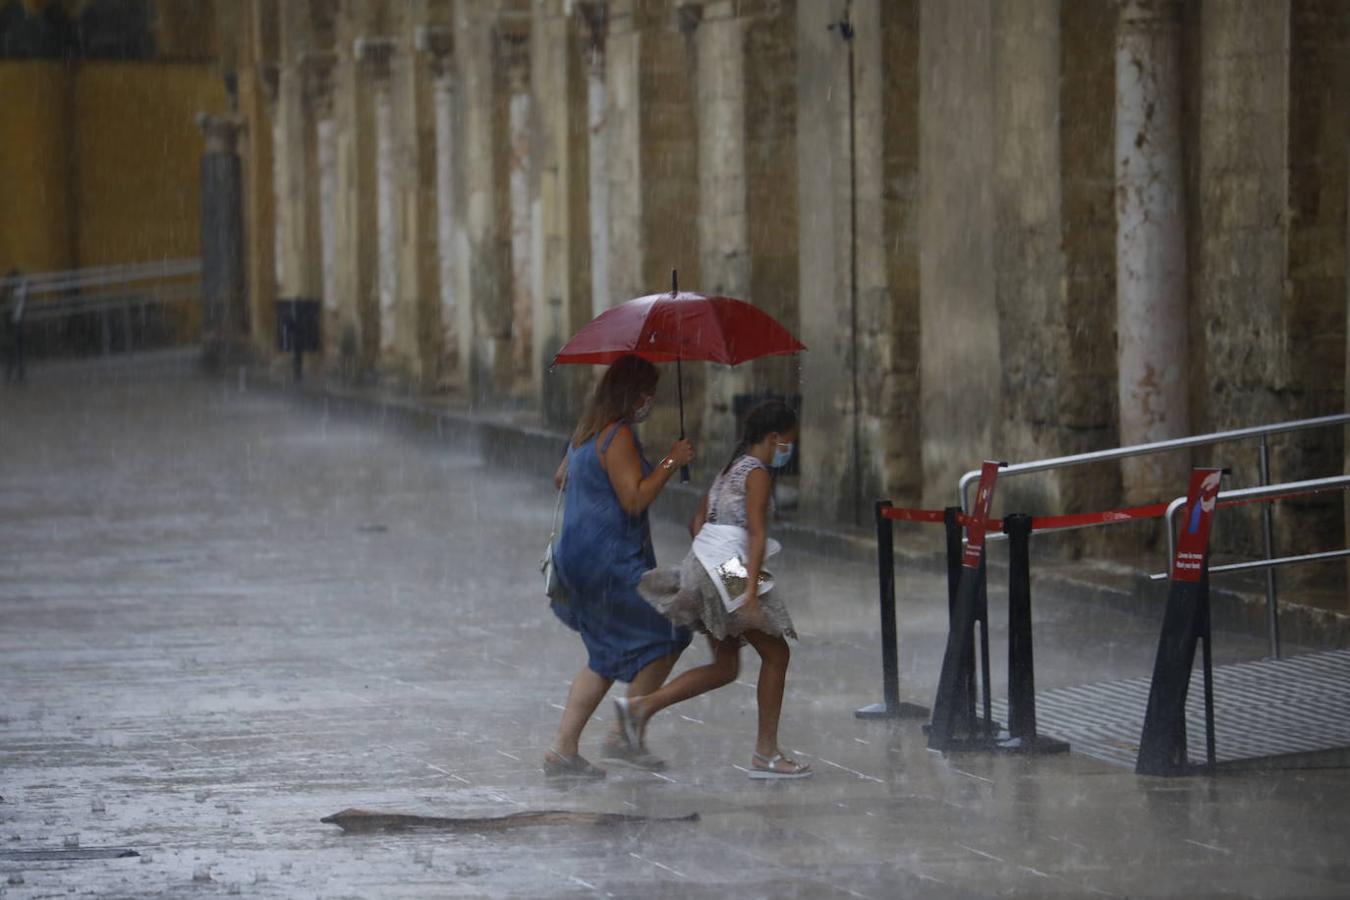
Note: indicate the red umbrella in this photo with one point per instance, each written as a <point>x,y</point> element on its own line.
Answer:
<point>677,326</point>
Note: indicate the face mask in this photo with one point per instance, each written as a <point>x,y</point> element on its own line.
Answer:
<point>781,454</point>
<point>642,412</point>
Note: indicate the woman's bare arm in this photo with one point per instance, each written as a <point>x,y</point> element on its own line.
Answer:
<point>623,465</point>
<point>560,475</point>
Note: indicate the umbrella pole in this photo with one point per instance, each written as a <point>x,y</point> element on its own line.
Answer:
<point>679,372</point>
<point>679,387</point>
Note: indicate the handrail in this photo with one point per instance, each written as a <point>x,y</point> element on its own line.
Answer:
<point>1266,563</point>
<point>1198,440</point>
<point>101,276</point>
<point>1249,495</point>
<point>1262,492</point>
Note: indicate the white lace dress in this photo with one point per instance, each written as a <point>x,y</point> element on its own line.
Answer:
<point>685,594</point>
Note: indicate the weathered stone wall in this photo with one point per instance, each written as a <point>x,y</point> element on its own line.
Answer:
<point>934,196</point>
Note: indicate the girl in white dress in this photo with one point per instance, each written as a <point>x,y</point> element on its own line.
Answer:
<point>722,589</point>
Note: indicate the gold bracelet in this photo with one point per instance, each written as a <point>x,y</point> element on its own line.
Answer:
<point>667,463</point>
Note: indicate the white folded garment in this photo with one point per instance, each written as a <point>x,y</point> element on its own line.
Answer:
<point>722,550</point>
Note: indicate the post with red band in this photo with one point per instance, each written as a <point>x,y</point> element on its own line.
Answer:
<point>954,725</point>
<point>1022,736</point>
<point>1162,746</point>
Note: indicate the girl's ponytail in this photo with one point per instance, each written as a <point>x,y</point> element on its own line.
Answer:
<point>766,418</point>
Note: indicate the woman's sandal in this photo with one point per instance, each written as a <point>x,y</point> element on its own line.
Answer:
<point>560,765</point>
<point>616,747</point>
<point>778,767</point>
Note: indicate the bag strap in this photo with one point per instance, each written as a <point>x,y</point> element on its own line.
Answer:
<point>553,529</point>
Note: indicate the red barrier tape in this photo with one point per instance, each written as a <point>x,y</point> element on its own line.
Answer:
<point>1039,523</point>
<point>1078,520</point>
<point>912,515</point>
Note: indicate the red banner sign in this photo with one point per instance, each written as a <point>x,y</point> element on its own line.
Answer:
<point>1193,543</point>
<point>979,513</point>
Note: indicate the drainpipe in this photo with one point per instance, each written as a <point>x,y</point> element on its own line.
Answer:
<point>845,28</point>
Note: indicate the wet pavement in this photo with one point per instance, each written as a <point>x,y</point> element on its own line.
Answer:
<point>225,615</point>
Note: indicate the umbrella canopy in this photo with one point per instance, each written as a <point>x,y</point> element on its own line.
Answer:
<point>672,327</point>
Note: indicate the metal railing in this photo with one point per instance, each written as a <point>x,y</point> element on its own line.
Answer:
<point>1200,440</point>
<point>1267,492</point>
<point>128,288</point>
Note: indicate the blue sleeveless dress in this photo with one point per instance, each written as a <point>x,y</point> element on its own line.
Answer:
<point>600,556</point>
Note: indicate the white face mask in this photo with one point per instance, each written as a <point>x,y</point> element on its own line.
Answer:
<point>644,411</point>
<point>781,455</point>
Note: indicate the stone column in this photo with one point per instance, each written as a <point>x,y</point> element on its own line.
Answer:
<point>559,62</point>
<point>320,99</point>
<point>486,215</point>
<point>845,306</point>
<point>723,225</point>
<point>524,346</point>
<point>369,82</point>
<point>386,219</point>
<point>960,367</point>
<point>224,319</point>
<point>597,135</point>
<point>1151,289</point>
<point>414,352</point>
<point>652,155</point>
<point>456,328</point>
<point>297,244</point>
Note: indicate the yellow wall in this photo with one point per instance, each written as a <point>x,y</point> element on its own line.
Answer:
<point>99,161</point>
<point>36,213</point>
<point>138,153</point>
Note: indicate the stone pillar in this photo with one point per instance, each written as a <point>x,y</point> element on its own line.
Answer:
<point>298,265</point>
<point>366,82</point>
<point>387,222</point>
<point>486,212</point>
<point>1028,243</point>
<point>413,353</point>
<point>1151,288</point>
<point>456,328</point>
<point>326,179</point>
<point>597,99</point>
<point>1086,408</point>
<point>652,155</point>
<point>560,60</point>
<point>845,299</point>
<point>524,346</point>
<point>259,205</point>
<point>224,319</point>
<point>723,224</point>
<point>961,369</point>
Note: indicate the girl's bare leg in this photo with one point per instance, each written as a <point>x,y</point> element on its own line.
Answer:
<point>587,690</point>
<point>647,680</point>
<point>774,655</point>
<point>699,680</point>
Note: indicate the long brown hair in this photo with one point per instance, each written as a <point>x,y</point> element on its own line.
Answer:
<point>616,395</point>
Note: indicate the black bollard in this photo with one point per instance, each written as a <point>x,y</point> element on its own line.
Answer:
<point>891,707</point>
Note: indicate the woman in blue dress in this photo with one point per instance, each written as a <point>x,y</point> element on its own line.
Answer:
<point>602,550</point>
